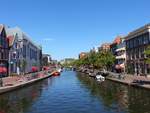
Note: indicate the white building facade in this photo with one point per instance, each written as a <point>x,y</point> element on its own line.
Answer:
<point>121,56</point>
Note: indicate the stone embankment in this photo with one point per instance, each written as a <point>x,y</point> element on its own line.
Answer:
<point>15,82</point>
<point>131,80</point>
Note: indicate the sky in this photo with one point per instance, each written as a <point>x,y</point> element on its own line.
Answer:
<point>65,28</point>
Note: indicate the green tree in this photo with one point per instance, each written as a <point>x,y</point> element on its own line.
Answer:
<point>147,53</point>
<point>23,65</point>
<point>45,61</point>
<point>100,60</point>
<point>106,60</point>
<point>92,58</point>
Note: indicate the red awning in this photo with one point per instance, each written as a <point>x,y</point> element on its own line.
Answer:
<point>34,69</point>
<point>3,70</point>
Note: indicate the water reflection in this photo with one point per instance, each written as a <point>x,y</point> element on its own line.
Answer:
<point>20,100</point>
<point>117,97</point>
<point>75,93</point>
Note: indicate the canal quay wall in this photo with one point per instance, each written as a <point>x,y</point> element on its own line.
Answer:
<point>131,83</point>
<point>130,80</point>
<point>21,84</point>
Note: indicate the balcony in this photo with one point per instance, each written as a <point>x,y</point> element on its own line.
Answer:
<point>123,56</point>
<point>121,49</point>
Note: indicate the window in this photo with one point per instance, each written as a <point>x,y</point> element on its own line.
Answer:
<point>127,43</point>
<point>24,51</point>
<point>15,45</point>
<point>146,39</point>
<point>30,53</point>
<point>148,68</point>
<point>2,55</point>
<point>131,43</point>
<point>137,53</point>
<point>28,50</point>
<point>140,40</point>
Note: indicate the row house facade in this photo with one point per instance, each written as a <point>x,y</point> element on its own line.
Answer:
<point>114,44</point>
<point>4,51</point>
<point>13,53</point>
<point>121,56</point>
<point>118,49</point>
<point>136,43</point>
<point>24,53</point>
<point>113,50</point>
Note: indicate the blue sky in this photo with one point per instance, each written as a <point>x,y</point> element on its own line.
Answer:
<point>66,27</point>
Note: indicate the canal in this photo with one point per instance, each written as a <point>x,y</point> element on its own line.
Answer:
<point>75,93</point>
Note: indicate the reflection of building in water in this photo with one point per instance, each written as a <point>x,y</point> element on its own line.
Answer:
<point>19,101</point>
<point>139,100</point>
<point>114,96</point>
<point>108,93</point>
<point>122,97</point>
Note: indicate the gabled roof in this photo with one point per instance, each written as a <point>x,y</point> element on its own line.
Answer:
<point>1,27</point>
<point>139,31</point>
<point>11,39</point>
<point>117,40</point>
<point>22,35</point>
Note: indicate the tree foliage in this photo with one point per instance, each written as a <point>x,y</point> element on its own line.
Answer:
<point>101,60</point>
<point>147,53</point>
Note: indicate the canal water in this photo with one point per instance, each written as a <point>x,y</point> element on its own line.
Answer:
<point>75,93</point>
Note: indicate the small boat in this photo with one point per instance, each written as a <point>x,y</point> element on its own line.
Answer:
<point>100,78</point>
<point>56,73</point>
<point>59,70</point>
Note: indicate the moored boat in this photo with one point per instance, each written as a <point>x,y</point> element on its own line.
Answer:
<point>56,73</point>
<point>100,78</point>
<point>59,70</point>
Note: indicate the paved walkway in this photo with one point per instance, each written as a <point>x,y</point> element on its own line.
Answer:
<point>13,80</point>
<point>141,81</point>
